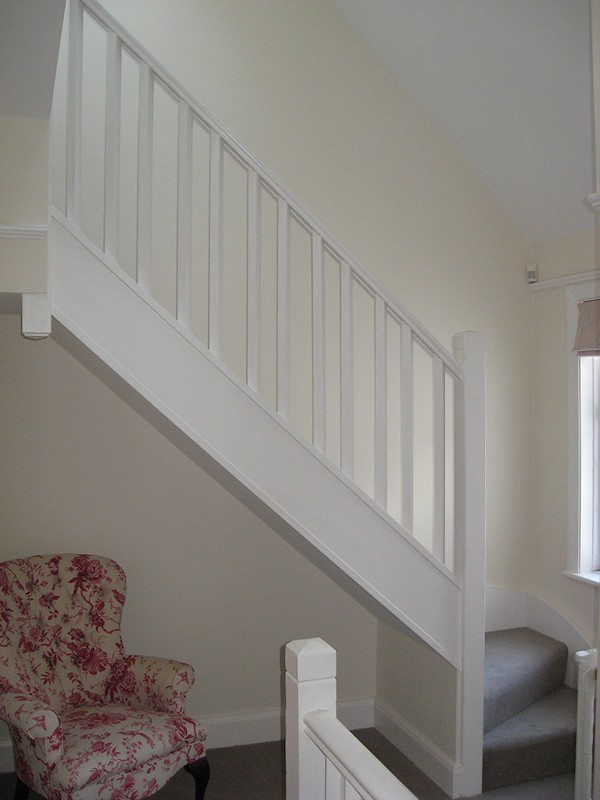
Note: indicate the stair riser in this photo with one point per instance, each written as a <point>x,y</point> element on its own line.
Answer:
<point>543,760</point>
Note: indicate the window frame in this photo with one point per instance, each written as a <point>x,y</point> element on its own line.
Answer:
<point>583,557</point>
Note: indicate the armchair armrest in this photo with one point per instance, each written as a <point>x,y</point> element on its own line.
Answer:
<point>36,720</point>
<point>149,682</point>
<point>34,717</point>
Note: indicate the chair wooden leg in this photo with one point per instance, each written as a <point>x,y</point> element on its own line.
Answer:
<point>21,790</point>
<point>201,772</point>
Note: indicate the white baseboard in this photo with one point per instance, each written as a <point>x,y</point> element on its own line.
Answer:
<point>423,753</point>
<point>269,726</point>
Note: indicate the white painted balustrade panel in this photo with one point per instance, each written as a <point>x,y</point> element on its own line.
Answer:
<point>209,234</point>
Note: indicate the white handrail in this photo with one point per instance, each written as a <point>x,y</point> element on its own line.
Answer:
<point>369,777</point>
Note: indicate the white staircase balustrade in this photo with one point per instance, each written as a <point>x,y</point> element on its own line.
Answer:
<point>324,760</point>
<point>171,199</point>
<point>185,266</point>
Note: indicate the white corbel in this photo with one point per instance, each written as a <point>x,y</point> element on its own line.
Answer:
<point>36,315</point>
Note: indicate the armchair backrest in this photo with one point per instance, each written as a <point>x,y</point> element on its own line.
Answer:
<point>60,626</point>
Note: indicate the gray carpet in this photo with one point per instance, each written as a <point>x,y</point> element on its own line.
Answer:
<point>255,772</point>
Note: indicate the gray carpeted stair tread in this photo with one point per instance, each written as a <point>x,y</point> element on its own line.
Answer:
<point>538,742</point>
<point>521,666</point>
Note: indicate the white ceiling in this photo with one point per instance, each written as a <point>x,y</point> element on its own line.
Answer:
<point>508,82</point>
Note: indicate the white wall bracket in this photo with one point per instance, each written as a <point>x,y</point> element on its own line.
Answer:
<point>36,316</point>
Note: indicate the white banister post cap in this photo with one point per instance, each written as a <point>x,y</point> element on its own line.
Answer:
<point>310,659</point>
<point>468,340</point>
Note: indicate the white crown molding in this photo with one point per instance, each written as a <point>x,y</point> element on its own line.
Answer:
<point>23,231</point>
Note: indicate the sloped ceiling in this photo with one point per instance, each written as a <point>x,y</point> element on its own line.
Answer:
<point>509,83</point>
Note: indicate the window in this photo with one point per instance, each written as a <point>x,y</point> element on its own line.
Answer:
<point>589,461</point>
<point>584,464</point>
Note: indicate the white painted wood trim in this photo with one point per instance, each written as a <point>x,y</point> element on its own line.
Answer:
<point>36,316</point>
<point>347,370</point>
<point>381,404</point>
<point>439,459</point>
<point>318,342</point>
<point>215,243</point>
<point>278,188</point>
<point>566,281</point>
<point>184,214</point>
<point>85,298</point>
<point>434,763</point>
<point>253,335</point>
<point>407,427</point>
<point>469,410</point>
<point>144,197</point>
<point>283,308</point>
<point>23,231</point>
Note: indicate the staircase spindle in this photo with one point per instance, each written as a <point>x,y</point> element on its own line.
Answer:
<point>184,214</point>
<point>283,308</point>
<point>112,145</point>
<point>318,342</point>
<point>347,370</point>
<point>144,203</point>
<point>215,240</point>
<point>254,282</point>
<point>381,404</point>
<point>439,460</point>
<point>407,426</point>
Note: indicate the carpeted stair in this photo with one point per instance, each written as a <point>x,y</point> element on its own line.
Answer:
<point>530,715</point>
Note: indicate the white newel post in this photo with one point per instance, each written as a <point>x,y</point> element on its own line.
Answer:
<point>310,685</point>
<point>587,662</point>
<point>470,555</point>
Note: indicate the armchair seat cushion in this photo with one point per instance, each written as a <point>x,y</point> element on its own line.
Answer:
<point>110,740</point>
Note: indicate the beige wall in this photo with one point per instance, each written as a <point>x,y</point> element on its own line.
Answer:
<point>208,582</point>
<point>294,83</point>
<point>557,259</point>
<point>566,255</point>
<point>23,168</point>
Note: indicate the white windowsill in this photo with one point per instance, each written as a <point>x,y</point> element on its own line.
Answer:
<point>591,578</point>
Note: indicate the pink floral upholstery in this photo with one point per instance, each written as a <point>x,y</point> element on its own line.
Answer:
<point>88,722</point>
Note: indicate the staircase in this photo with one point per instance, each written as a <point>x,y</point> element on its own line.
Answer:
<point>185,266</point>
<point>530,715</point>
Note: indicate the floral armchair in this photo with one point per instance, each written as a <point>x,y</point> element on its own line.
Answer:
<point>87,721</point>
